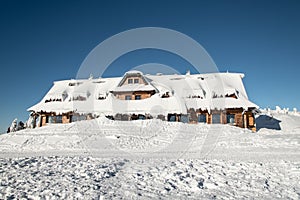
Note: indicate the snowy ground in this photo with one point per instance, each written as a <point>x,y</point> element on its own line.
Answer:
<point>103,159</point>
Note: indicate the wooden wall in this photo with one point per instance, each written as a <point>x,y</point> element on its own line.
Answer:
<point>241,119</point>
<point>44,118</point>
<point>144,95</point>
<point>246,120</point>
<point>65,119</point>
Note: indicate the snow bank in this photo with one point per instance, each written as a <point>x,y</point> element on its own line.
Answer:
<point>91,178</point>
<point>150,159</point>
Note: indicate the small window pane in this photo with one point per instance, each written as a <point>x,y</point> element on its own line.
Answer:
<point>202,118</point>
<point>130,81</point>
<point>136,80</point>
<point>172,118</point>
<point>230,118</point>
<point>216,118</point>
<point>58,119</point>
<point>141,117</point>
<point>128,97</point>
<point>51,119</point>
<point>137,97</point>
<point>184,119</point>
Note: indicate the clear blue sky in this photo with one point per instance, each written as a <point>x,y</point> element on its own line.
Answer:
<point>44,41</point>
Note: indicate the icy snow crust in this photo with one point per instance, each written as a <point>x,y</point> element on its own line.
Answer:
<point>152,159</point>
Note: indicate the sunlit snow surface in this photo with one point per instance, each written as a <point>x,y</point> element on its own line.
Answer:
<point>103,159</point>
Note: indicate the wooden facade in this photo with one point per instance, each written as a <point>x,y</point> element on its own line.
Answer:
<point>236,117</point>
<point>133,95</point>
<point>138,95</point>
<point>52,118</point>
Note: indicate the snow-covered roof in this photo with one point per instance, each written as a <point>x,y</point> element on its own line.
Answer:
<point>199,91</point>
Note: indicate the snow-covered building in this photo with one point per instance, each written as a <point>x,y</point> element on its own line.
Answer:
<point>192,98</point>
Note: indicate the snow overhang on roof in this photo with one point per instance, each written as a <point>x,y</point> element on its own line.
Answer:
<point>134,72</point>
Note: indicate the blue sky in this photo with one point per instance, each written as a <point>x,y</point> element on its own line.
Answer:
<point>44,41</point>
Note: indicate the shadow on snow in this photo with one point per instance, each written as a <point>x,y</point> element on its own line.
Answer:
<point>265,121</point>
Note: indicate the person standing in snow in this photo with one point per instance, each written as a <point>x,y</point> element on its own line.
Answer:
<point>13,126</point>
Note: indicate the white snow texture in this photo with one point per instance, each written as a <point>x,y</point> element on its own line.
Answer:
<point>153,159</point>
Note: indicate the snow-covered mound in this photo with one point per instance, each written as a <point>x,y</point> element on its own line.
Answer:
<point>279,119</point>
<point>153,159</point>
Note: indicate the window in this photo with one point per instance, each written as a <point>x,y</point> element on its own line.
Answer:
<point>141,117</point>
<point>130,81</point>
<point>172,118</point>
<point>58,119</point>
<point>216,118</point>
<point>230,118</point>
<point>128,97</point>
<point>136,80</point>
<point>76,118</point>
<point>51,119</point>
<point>184,118</point>
<point>137,97</point>
<point>202,118</point>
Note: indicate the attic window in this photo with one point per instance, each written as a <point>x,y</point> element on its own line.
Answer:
<point>136,80</point>
<point>231,96</point>
<point>130,81</point>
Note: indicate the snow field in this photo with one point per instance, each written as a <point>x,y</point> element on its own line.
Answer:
<point>54,177</point>
<point>104,159</point>
<point>95,178</point>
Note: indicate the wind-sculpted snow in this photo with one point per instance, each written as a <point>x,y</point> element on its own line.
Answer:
<point>151,159</point>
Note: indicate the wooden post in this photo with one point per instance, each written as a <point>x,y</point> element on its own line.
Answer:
<point>245,120</point>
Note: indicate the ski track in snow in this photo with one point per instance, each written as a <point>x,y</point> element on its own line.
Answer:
<point>103,159</point>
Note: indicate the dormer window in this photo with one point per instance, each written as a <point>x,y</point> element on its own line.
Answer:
<point>134,86</point>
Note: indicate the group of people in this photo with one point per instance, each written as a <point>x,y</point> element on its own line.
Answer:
<point>15,126</point>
